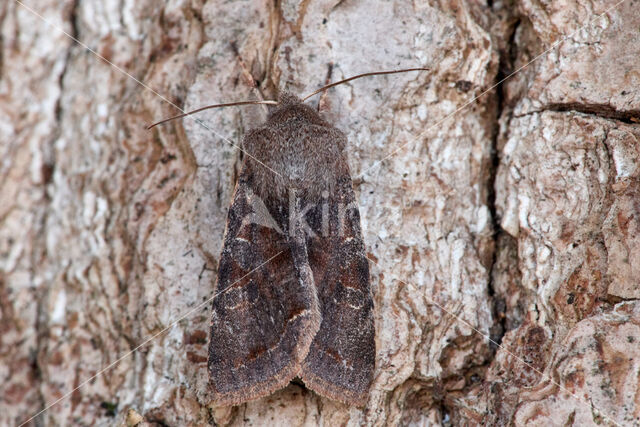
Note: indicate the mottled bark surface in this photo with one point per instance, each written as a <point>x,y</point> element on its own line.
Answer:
<point>516,219</point>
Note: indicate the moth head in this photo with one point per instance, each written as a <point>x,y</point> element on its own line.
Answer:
<point>291,107</point>
<point>286,99</point>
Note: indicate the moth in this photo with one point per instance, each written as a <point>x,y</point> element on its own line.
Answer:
<point>293,295</point>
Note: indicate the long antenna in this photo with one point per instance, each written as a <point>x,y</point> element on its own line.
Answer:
<point>230,104</point>
<point>377,73</point>
<point>322,89</point>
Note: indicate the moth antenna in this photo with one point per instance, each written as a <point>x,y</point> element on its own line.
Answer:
<point>376,73</point>
<point>230,104</point>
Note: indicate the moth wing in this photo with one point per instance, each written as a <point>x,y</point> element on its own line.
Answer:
<point>265,312</point>
<point>341,360</point>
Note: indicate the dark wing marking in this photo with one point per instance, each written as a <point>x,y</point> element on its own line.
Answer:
<point>262,324</point>
<point>341,360</point>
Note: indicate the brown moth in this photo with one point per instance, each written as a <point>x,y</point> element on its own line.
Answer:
<point>293,297</point>
<point>309,311</point>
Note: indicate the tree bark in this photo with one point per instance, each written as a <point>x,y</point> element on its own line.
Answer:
<point>503,231</point>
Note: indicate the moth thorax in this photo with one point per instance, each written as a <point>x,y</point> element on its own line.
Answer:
<point>309,181</point>
<point>297,150</point>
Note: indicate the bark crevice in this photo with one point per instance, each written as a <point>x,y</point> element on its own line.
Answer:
<point>631,117</point>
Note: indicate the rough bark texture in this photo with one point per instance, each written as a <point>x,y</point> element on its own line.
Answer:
<point>516,219</point>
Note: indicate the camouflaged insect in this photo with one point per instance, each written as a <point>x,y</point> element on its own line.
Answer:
<point>293,297</point>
